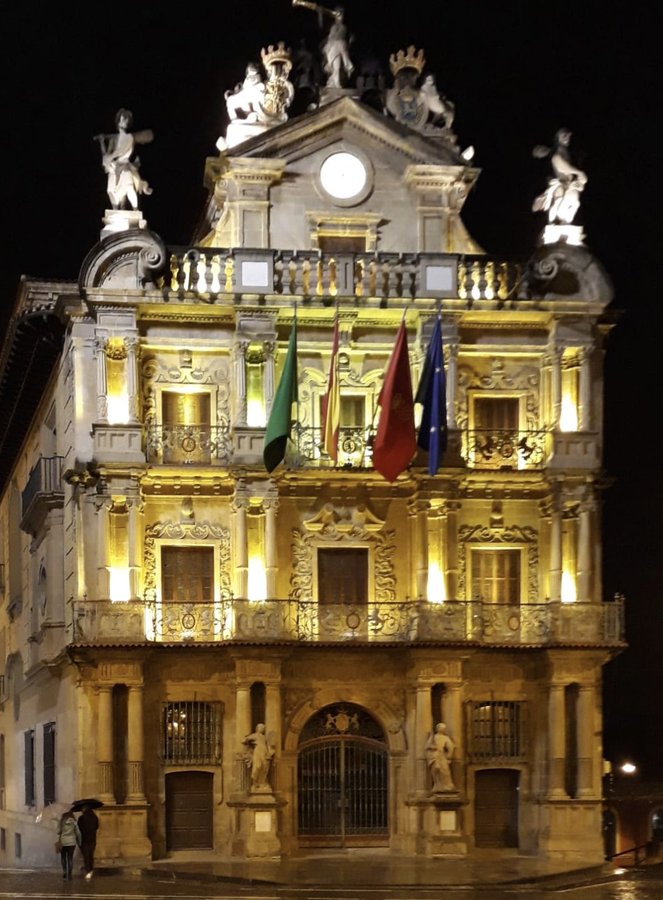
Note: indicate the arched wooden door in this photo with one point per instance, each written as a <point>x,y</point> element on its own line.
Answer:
<point>496,808</point>
<point>343,780</point>
<point>189,811</point>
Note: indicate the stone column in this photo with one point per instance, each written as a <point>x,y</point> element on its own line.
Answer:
<point>105,743</point>
<point>103,578</point>
<point>584,391</point>
<point>453,717</point>
<point>242,711</point>
<point>556,741</point>
<point>135,510</point>
<point>135,744</point>
<point>585,741</point>
<point>239,365</point>
<point>102,380</point>
<point>241,546</point>
<point>269,370</point>
<point>451,352</point>
<point>133,350</point>
<point>452,550</point>
<point>556,386</point>
<point>271,548</point>
<point>584,581</point>
<point>424,726</point>
<point>273,714</point>
<point>421,548</point>
<point>555,551</point>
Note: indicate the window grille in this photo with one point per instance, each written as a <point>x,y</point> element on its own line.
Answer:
<point>191,733</point>
<point>49,763</point>
<point>496,730</point>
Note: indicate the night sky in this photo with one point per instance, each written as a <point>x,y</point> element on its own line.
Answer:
<point>517,70</point>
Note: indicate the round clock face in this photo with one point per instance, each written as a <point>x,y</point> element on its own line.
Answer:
<point>343,175</point>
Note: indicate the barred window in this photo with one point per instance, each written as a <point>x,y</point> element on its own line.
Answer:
<point>191,732</point>
<point>49,763</point>
<point>496,730</point>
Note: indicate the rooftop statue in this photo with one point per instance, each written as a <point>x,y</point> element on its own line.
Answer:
<point>245,100</point>
<point>263,102</point>
<point>438,106</point>
<point>561,199</point>
<point>418,107</point>
<point>120,164</point>
<point>336,51</point>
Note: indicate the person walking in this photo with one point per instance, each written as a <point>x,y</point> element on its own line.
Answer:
<point>88,824</point>
<point>69,837</point>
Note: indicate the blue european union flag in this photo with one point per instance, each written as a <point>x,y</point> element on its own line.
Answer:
<point>431,393</point>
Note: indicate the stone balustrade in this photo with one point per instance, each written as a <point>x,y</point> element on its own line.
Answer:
<point>409,621</point>
<point>214,273</point>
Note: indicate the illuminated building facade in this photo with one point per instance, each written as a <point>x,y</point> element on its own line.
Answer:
<point>163,594</point>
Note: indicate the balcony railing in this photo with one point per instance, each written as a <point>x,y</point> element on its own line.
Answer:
<point>355,448</point>
<point>187,444</point>
<point>215,274</point>
<point>410,621</point>
<point>485,448</point>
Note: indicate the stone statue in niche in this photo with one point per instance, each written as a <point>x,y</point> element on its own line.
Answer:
<point>260,752</point>
<point>336,47</point>
<point>439,752</point>
<point>120,164</point>
<point>561,199</point>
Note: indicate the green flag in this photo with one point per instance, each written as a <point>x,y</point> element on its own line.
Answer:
<point>280,418</point>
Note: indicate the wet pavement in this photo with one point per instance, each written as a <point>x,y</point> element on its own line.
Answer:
<point>352,875</point>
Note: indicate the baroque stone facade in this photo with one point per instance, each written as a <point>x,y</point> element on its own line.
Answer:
<point>162,595</point>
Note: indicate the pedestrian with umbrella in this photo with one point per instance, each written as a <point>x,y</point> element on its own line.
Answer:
<point>88,825</point>
<point>69,837</point>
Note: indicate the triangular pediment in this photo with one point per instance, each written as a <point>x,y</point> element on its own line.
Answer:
<point>341,177</point>
<point>347,119</point>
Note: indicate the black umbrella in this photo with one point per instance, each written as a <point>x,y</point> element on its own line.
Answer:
<point>92,802</point>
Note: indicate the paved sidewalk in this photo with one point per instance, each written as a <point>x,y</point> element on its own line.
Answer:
<point>380,868</point>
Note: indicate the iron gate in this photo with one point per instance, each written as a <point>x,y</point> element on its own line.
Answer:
<point>343,788</point>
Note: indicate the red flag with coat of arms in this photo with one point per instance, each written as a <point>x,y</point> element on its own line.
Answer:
<point>396,439</point>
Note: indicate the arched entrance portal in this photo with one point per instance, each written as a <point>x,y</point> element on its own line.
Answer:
<point>343,779</point>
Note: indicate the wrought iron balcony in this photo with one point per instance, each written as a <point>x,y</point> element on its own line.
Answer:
<point>291,621</point>
<point>355,448</point>
<point>188,444</point>
<point>487,448</point>
<point>44,490</point>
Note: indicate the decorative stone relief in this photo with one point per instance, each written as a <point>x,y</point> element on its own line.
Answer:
<point>157,370</point>
<point>183,531</point>
<point>513,534</point>
<point>351,525</point>
<point>502,377</point>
